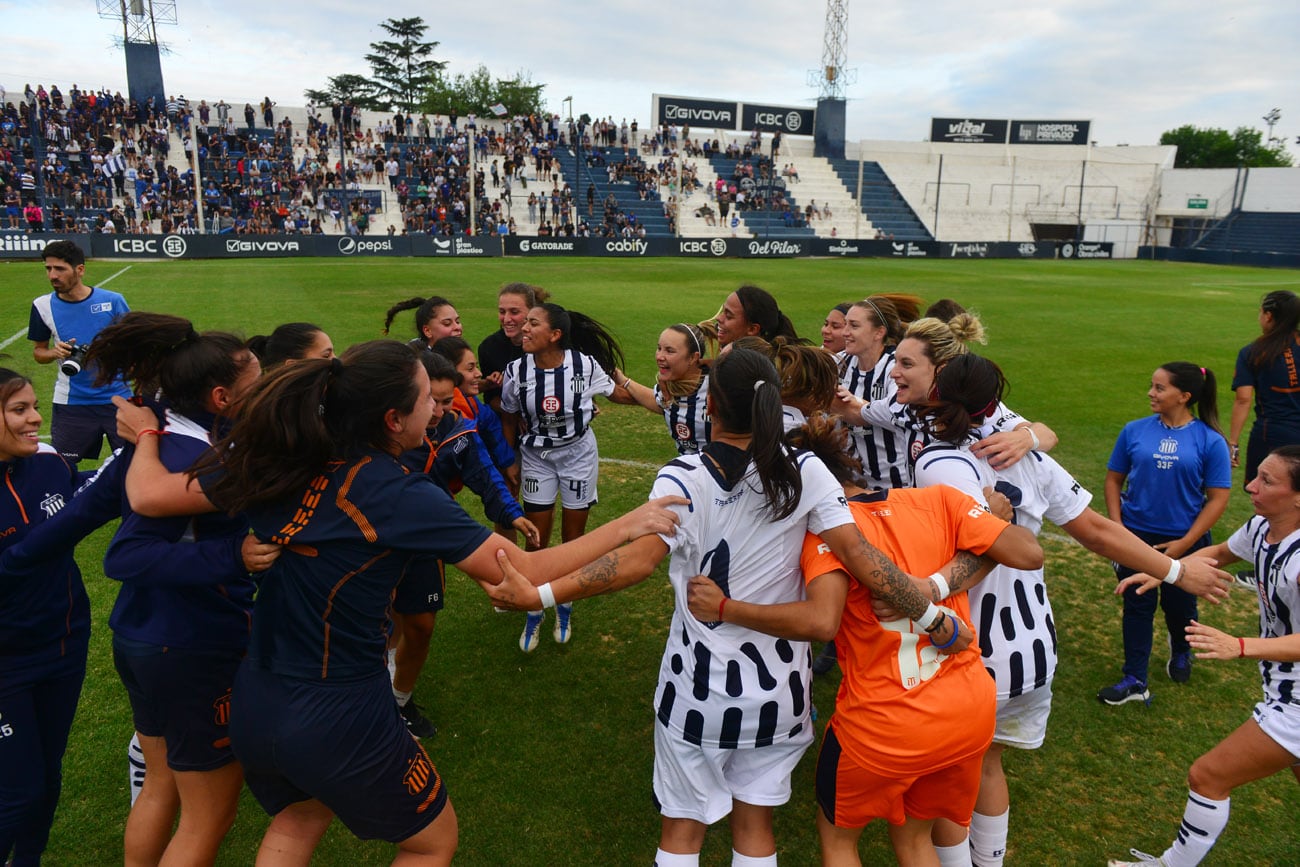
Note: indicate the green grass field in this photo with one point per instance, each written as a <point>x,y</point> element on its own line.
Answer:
<point>548,756</point>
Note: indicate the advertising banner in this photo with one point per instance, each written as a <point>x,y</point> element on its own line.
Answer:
<point>789,119</point>
<point>516,246</point>
<point>20,245</point>
<point>968,130</point>
<point>999,250</point>
<point>1067,132</point>
<point>689,111</point>
<point>459,245</point>
<point>1087,250</point>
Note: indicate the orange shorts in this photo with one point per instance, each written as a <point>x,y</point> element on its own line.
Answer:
<point>851,796</point>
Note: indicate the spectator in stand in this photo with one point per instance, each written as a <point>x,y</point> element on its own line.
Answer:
<point>267,115</point>
<point>35,218</point>
<point>250,116</point>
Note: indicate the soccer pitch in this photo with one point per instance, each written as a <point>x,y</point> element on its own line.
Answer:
<point>547,756</point>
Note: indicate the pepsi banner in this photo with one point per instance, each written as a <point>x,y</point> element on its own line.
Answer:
<point>687,111</point>
<point>790,120</point>
<point>1066,132</point>
<point>968,130</point>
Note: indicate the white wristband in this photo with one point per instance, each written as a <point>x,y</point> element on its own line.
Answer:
<point>933,614</point>
<point>1033,439</point>
<point>547,595</point>
<point>1175,571</point>
<point>941,583</point>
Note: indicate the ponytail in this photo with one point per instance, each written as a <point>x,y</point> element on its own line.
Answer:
<point>156,351</point>
<point>1201,384</point>
<point>747,400</point>
<point>302,416</point>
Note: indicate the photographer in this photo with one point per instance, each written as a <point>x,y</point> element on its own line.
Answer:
<point>71,316</point>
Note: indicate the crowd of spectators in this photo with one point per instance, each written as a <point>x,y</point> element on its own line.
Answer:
<point>98,162</point>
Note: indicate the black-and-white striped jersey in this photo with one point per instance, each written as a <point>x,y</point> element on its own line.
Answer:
<point>1012,613</point>
<point>687,418</point>
<point>881,444</point>
<point>1277,569</point>
<point>555,405</point>
<point>722,685</point>
<point>919,437</point>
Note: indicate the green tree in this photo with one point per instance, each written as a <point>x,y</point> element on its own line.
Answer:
<point>477,91</point>
<point>403,66</point>
<point>356,88</point>
<point>1213,148</point>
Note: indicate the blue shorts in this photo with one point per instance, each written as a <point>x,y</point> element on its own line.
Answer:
<point>76,432</point>
<point>423,588</point>
<point>181,696</point>
<point>344,744</point>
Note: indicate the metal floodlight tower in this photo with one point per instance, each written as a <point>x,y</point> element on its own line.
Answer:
<point>139,20</point>
<point>830,80</point>
<point>832,77</point>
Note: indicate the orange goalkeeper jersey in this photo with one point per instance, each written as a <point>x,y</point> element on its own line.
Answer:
<point>904,707</point>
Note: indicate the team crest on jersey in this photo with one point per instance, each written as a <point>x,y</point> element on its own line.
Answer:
<point>1168,446</point>
<point>551,404</point>
<point>578,384</point>
<point>418,773</point>
<point>459,446</point>
<point>51,504</point>
<point>682,431</point>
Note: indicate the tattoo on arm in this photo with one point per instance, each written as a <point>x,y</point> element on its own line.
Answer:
<point>891,584</point>
<point>599,574</point>
<point>965,567</point>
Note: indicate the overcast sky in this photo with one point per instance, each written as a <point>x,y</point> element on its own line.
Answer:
<point>1135,68</point>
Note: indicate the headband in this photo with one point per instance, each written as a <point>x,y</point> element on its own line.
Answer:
<point>691,331</point>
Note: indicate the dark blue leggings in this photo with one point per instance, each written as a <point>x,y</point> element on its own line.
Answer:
<point>35,719</point>
<point>1140,613</point>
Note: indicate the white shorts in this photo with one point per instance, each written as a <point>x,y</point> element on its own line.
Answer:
<point>569,471</point>
<point>692,782</point>
<point>1281,722</point>
<point>1022,721</point>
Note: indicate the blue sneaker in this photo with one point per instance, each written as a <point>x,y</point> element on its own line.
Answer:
<point>563,632</point>
<point>1128,689</point>
<point>1179,667</point>
<point>532,635</point>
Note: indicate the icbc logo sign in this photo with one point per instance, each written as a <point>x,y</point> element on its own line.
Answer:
<point>682,431</point>
<point>551,404</point>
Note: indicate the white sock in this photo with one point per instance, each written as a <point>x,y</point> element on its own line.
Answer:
<point>668,859</point>
<point>988,838</point>
<point>954,856</point>
<point>738,860</point>
<point>135,767</point>
<point>1203,821</point>
<point>402,697</point>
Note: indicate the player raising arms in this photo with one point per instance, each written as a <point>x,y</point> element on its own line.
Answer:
<point>732,706</point>
<point>1269,742</point>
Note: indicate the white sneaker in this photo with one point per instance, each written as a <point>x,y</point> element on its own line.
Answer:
<point>532,634</point>
<point>1143,860</point>
<point>563,631</point>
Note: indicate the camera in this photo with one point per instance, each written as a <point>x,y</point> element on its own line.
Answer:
<point>71,365</point>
